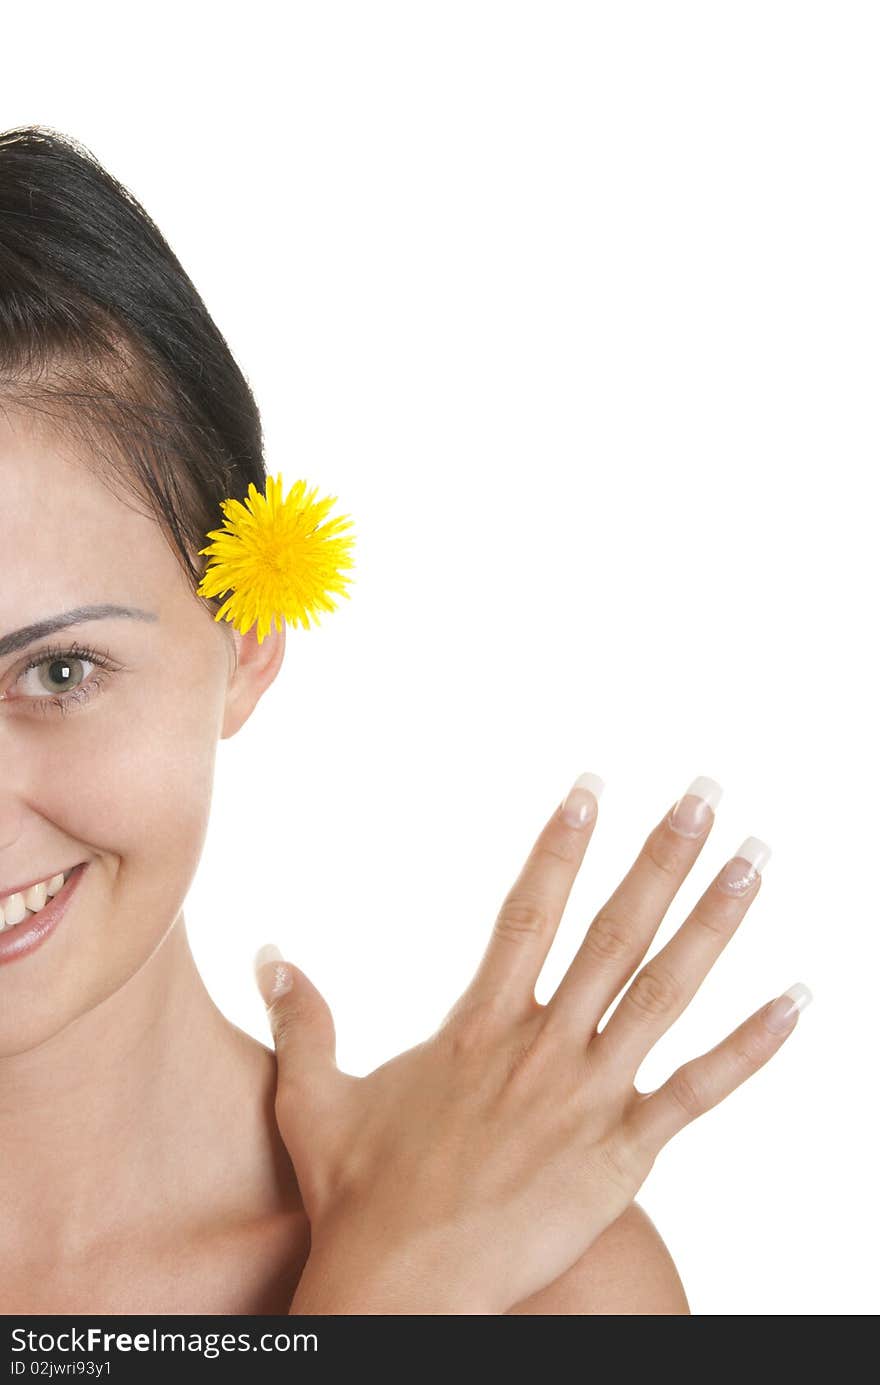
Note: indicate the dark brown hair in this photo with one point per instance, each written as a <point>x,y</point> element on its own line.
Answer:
<point>104,337</point>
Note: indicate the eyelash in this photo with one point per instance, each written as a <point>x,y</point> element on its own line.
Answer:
<point>78,695</point>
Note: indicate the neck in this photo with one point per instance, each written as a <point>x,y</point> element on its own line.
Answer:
<point>150,1110</point>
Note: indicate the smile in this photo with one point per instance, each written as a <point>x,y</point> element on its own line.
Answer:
<point>19,938</point>
<point>23,904</point>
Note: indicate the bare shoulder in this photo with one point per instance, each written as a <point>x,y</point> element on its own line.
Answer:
<point>628,1270</point>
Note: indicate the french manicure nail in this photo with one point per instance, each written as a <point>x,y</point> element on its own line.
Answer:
<point>781,1014</point>
<point>273,974</point>
<point>693,812</point>
<point>744,866</point>
<point>581,802</point>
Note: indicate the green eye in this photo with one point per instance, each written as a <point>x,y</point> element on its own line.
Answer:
<point>63,669</point>
<point>61,665</point>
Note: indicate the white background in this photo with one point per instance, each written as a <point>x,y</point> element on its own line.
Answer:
<point>574,307</point>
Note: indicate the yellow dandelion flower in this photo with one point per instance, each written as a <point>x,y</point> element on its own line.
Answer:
<point>274,559</point>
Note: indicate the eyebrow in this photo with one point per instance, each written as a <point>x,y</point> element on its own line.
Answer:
<point>20,639</point>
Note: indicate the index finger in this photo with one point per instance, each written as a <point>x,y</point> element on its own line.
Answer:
<point>529,916</point>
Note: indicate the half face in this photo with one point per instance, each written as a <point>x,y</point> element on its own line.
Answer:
<point>106,758</point>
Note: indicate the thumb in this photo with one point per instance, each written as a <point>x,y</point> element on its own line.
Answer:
<point>300,1019</point>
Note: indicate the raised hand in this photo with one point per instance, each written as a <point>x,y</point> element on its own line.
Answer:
<point>469,1172</point>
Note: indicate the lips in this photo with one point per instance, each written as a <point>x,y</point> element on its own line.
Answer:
<point>25,937</point>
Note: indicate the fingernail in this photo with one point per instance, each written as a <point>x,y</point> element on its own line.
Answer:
<point>693,812</point>
<point>581,802</point>
<point>744,867</point>
<point>274,975</point>
<point>781,1014</point>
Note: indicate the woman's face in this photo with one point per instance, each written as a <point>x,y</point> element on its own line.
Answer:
<point>121,779</point>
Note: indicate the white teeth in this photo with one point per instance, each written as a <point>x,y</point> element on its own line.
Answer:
<point>16,907</point>
<point>35,897</point>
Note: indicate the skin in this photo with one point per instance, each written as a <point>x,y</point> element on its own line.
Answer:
<point>142,1168</point>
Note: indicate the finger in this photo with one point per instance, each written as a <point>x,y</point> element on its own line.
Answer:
<point>669,981</point>
<point>303,1032</point>
<point>621,932</point>
<point>697,1086</point>
<point>529,917</point>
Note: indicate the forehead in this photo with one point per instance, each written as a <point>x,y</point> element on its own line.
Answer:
<point>66,537</point>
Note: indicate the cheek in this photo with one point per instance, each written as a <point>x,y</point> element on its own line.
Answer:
<point>136,774</point>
